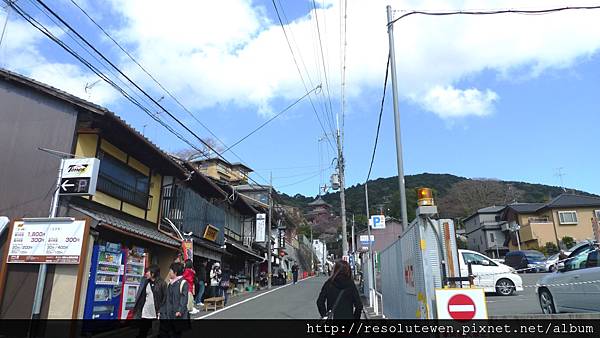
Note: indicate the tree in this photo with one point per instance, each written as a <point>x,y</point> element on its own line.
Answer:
<point>191,154</point>
<point>568,242</point>
<point>549,249</point>
<point>461,243</point>
<point>466,197</point>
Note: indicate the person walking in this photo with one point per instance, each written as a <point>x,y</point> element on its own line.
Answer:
<point>150,298</point>
<point>224,285</point>
<point>295,269</point>
<point>175,312</point>
<point>190,275</point>
<point>201,278</point>
<point>339,298</point>
<point>215,279</point>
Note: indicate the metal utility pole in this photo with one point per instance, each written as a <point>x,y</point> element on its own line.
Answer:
<point>372,282</point>
<point>397,119</point>
<point>41,278</point>
<point>269,250</point>
<point>342,193</point>
<point>352,243</point>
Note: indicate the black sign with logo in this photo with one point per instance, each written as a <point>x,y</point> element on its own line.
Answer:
<point>75,186</point>
<point>281,239</point>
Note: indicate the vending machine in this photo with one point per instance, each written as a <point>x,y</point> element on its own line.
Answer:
<point>134,272</point>
<point>103,296</point>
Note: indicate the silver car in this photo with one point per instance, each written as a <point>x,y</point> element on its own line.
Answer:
<point>575,286</point>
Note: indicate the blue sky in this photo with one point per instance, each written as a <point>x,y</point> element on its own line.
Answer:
<point>508,97</point>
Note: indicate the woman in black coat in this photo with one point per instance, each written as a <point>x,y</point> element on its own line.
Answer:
<point>151,296</point>
<point>340,283</point>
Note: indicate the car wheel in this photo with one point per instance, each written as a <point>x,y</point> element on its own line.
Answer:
<point>547,302</point>
<point>505,287</point>
<point>551,268</point>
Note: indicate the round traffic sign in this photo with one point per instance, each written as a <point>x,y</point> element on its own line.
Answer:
<point>461,307</point>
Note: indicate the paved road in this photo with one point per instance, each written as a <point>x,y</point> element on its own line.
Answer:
<point>525,301</point>
<point>286,302</point>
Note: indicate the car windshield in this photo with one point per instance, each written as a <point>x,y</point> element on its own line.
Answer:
<point>553,257</point>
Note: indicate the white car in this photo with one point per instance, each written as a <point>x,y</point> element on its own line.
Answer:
<point>575,286</point>
<point>489,275</point>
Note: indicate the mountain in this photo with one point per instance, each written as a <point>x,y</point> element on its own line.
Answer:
<point>449,190</point>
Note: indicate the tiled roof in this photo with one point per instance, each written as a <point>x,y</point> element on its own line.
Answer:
<point>318,201</point>
<point>570,200</point>
<point>525,207</point>
<point>491,210</point>
<point>132,227</point>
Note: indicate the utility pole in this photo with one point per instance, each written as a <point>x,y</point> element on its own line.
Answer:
<point>41,278</point>
<point>372,282</point>
<point>342,192</point>
<point>352,243</point>
<point>397,119</point>
<point>269,250</point>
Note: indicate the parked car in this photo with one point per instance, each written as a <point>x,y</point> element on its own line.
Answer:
<point>574,286</point>
<point>489,275</point>
<point>526,260</point>
<point>552,260</point>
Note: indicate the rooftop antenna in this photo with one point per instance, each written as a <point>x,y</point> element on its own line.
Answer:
<point>89,86</point>
<point>560,174</point>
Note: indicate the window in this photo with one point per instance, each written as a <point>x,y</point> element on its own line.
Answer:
<point>492,237</point>
<point>578,259</point>
<point>476,259</point>
<point>567,217</point>
<point>117,179</point>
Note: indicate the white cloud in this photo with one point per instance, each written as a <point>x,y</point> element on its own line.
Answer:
<point>20,52</point>
<point>449,102</point>
<point>213,52</point>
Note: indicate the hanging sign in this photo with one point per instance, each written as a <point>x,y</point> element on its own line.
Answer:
<point>211,232</point>
<point>187,246</point>
<point>261,221</point>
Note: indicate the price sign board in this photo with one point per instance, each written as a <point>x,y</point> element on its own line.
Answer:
<point>46,242</point>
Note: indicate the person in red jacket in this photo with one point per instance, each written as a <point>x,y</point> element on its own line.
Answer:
<point>189,275</point>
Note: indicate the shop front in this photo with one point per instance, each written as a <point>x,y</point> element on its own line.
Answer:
<point>121,250</point>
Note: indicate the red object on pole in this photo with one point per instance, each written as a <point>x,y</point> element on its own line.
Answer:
<point>461,307</point>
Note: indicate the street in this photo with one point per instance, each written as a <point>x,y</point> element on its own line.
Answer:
<point>284,302</point>
<point>525,301</point>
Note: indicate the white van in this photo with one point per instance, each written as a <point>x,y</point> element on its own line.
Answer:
<point>490,275</point>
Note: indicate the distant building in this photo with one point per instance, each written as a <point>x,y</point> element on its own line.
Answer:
<point>383,237</point>
<point>565,215</point>
<point>318,208</point>
<point>223,171</point>
<point>320,250</point>
<point>484,232</point>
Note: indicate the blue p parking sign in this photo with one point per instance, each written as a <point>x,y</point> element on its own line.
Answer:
<point>377,222</point>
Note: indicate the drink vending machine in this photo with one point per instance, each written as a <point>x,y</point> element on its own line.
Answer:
<point>134,272</point>
<point>103,295</point>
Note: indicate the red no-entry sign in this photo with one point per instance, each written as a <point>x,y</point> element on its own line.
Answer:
<point>460,304</point>
<point>461,307</point>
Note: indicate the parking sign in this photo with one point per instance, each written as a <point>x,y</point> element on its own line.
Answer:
<point>377,222</point>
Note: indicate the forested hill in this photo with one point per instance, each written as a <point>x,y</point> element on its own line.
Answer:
<point>456,196</point>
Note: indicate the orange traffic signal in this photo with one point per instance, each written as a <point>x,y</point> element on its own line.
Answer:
<point>425,197</point>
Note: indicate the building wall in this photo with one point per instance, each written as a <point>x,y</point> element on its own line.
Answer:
<point>580,231</point>
<point>29,120</point>
<point>87,145</point>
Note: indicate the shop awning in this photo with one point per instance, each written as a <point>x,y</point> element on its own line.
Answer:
<point>244,250</point>
<point>207,249</point>
<point>128,227</point>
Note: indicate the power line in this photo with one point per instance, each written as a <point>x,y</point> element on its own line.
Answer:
<point>492,12</point>
<point>5,24</point>
<point>323,57</point>
<point>387,69</point>
<point>299,71</point>
<point>271,119</point>
<point>301,181</point>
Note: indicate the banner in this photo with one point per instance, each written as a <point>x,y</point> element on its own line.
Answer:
<point>261,221</point>
<point>187,247</point>
<point>46,242</point>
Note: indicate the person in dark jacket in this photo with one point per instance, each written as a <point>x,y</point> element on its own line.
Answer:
<point>295,269</point>
<point>150,298</point>
<point>201,278</point>
<point>175,306</point>
<point>349,305</point>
